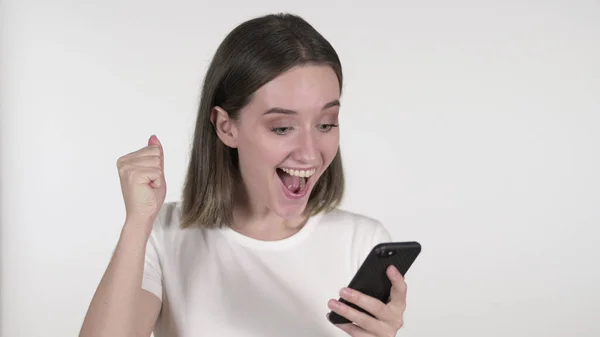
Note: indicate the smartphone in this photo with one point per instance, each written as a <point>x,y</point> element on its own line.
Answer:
<point>371,278</point>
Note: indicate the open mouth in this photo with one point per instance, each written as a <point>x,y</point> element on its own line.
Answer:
<point>295,181</point>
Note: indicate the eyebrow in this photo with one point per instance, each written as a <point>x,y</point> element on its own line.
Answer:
<point>292,112</point>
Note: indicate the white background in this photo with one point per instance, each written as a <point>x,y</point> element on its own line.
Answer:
<point>470,126</point>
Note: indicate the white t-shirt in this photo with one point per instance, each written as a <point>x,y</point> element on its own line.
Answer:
<point>218,282</point>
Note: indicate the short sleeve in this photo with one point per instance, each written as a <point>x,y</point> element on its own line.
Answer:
<point>381,235</point>
<point>152,277</point>
<point>375,235</point>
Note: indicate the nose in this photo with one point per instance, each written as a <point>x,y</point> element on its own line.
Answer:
<point>307,150</point>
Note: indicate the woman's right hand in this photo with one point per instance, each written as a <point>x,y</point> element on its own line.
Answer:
<point>143,183</point>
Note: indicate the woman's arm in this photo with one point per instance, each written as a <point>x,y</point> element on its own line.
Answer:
<point>120,307</point>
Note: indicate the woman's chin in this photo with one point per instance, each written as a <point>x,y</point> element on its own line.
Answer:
<point>288,209</point>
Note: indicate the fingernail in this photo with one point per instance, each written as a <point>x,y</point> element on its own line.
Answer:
<point>347,292</point>
<point>333,304</point>
<point>394,271</point>
<point>152,140</point>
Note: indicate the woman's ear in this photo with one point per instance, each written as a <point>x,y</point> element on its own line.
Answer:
<point>224,126</point>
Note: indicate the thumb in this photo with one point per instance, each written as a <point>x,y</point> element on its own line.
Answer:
<point>398,291</point>
<point>154,141</point>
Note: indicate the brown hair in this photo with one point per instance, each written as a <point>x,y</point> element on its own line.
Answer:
<point>252,54</point>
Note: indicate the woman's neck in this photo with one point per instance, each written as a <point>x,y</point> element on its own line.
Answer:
<point>265,225</point>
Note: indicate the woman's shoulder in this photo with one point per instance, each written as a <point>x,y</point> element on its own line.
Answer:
<point>167,231</point>
<point>169,216</point>
<point>347,220</point>
<point>343,216</point>
<point>359,232</point>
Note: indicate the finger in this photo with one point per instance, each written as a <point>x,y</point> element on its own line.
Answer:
<point>368,303</point>
<point>154,141</point>
<point>398,291</point>
<point>361,319</point>
<point>143,175</point>
<point>144,161</point>
<point>352,330</point>
<point>151,150</point>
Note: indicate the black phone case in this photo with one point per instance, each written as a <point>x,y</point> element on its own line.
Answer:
<point>371,278</point>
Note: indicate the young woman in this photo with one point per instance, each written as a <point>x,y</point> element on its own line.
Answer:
<point>257,245</point>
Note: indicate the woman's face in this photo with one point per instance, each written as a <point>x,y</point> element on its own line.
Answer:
<point>286,137</point>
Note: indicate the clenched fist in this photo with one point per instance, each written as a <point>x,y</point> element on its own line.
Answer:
<point>143,182</point>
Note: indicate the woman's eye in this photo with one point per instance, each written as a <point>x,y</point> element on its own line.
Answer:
<point>327,127</point>
<point>281,130</point>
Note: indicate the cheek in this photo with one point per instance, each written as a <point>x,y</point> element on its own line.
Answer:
<point>331,146</point>
<point>258,150</point>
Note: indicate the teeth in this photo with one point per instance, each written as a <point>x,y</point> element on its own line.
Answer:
<point>299,173</point>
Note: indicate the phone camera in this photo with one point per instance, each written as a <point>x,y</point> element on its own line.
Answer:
<point>386,253</point>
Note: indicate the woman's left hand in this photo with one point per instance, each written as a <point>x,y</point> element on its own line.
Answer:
<point>388,317</point>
